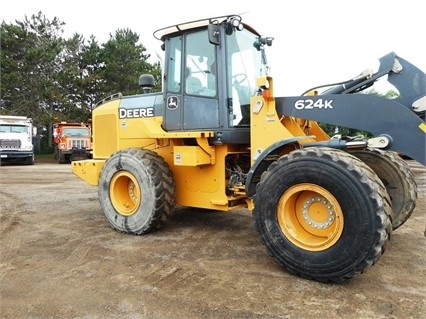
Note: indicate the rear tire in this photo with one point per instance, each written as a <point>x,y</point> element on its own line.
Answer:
<point>322,214</point>
<point>398,179</point>
<point>131,191</point>
<point>169,186</point>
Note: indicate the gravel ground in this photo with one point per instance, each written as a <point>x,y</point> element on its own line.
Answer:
<point>60,259</point>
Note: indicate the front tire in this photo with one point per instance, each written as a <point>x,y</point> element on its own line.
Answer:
<point>30,160</point>
<point>131,191</point>
<point>322,214</point>
<point>398,179</point>
<point>61,158</point>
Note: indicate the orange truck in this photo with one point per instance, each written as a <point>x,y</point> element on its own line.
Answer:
<point>73,141</point>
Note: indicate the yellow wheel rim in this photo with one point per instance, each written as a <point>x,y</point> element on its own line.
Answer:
<point>125,193</point>
<point>310,217</point>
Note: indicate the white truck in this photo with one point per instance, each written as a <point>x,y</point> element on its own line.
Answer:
<point>16,139</point>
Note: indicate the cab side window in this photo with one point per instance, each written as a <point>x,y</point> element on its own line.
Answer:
<point>174,76</point>
<point>200,66</point>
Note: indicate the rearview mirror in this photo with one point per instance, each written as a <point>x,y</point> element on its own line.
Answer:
<point>214,33</point>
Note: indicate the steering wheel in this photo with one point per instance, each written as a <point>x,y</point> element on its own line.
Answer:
<point>239,78</point>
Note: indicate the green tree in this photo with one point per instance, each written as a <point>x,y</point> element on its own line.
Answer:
<point>76,78</point>
<point>125,60</point>
<point>29,66</point>
<point>91,66</point>
<point>47,77</point>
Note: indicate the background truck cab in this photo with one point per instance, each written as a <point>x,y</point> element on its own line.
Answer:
<point>16,134</point>
<point>72,141</point>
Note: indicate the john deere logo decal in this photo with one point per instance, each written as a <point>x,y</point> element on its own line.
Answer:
<point>172,102</point>
<point>135,113</point>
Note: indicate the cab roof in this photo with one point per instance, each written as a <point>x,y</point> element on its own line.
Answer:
<point>178,28</point>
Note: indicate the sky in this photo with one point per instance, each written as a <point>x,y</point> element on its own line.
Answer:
<point>316,42</point>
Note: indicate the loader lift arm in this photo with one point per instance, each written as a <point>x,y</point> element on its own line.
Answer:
<point>408,79</point>
<point>402,129</point>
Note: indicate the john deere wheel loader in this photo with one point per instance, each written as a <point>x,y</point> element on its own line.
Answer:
<point>218,138</point>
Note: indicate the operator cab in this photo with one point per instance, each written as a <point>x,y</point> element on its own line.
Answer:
<point>211,68</point>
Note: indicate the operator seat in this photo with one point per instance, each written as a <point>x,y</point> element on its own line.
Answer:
<point>193,85</point>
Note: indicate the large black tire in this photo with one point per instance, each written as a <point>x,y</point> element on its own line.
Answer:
<point>55,153</point>
<point>30,160</point>
<point>61,158</point>
<point>398,179</point>
<point>131,191</point>
<point>322,214</point>
<point>169,186</point>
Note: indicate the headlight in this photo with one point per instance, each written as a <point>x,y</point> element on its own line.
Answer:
<point>28,147</point>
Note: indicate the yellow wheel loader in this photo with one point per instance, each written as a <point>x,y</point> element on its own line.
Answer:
<point>217,138</point>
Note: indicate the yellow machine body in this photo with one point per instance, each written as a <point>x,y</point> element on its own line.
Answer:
<point>199,170</point>
<point>218,138</point>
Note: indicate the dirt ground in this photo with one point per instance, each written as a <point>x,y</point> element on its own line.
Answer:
<point>60,259</point>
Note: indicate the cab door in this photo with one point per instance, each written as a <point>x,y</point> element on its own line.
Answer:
<point>191,94</point>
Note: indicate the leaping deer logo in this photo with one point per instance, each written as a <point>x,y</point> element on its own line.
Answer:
<point>172,103</point>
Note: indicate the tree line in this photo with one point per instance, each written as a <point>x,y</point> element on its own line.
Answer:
<point>47,77</point>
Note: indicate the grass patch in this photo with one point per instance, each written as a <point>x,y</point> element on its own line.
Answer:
<point>45,158</point>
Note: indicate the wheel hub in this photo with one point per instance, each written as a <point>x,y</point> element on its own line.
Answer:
<point>315,217</point>
<point>125,193</point>
<point>131,190</point>
<point>310,217</point>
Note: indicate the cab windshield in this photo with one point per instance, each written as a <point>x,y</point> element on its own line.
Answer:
<point>76,132</point>
<point>6,128</point>
<point>247,62</point>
